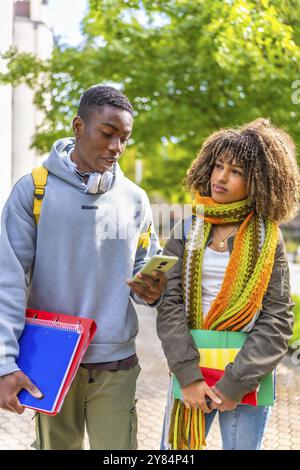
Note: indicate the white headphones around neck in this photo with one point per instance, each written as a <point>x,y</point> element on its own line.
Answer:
<point>100,182</point>
<point>97,181</point>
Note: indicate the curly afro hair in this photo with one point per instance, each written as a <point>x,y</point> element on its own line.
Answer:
<point>268,157</point>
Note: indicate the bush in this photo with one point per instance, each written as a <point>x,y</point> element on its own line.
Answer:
<point>296,333</point>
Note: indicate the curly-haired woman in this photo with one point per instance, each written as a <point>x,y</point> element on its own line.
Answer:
<point>232,275</point>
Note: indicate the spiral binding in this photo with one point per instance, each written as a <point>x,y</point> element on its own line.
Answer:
<point>77,327</point>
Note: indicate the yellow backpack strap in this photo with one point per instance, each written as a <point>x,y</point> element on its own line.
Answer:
<point>39,175</point>
<point>144,238</point>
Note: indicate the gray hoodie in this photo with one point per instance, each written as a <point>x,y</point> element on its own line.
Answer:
<point>76,261</point>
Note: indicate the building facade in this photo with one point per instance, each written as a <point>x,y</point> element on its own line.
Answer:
<point>24,24</point>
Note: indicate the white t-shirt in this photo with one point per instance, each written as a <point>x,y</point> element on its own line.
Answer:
<point>213,271</point>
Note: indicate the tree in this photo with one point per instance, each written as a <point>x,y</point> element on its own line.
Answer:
<point>189,67</point>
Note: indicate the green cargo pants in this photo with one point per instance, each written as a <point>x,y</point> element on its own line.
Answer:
<point>106,407</point>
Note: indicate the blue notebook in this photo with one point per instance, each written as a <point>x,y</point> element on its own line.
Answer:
<point>46,352</point>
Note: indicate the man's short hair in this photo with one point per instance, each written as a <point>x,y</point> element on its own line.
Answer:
<point>99,96</point>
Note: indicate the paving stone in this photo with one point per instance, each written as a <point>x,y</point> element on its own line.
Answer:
<point>295,428</point>
<point>296,440</point>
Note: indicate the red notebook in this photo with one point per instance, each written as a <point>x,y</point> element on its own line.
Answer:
<point>52,346</point>
<point>212,376</point>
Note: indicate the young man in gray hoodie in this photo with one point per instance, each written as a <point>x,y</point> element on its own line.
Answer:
<point>79,260</point>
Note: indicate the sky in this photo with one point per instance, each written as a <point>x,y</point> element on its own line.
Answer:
<point>65,18</point>
<point>67,14</point>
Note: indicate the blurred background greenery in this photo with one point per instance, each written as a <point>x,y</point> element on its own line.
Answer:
<point>296,335</point>
<point>188,66</point>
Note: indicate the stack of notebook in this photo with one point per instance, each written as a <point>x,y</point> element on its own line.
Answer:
<point>52,346</point>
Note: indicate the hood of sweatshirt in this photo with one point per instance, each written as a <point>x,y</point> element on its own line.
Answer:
<point>56,164</point>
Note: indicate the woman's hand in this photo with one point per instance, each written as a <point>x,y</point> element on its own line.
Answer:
<point>194,395</point>
<point>154,286</point>
<point>226,405</point>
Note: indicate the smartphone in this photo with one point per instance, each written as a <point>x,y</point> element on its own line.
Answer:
<point>157,263</point>
<point>208,401</point>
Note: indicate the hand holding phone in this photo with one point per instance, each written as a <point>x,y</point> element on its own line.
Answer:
<point>160,263</point>
<point>148,286</point>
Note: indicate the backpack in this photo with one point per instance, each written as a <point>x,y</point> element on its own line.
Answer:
<point>40,175</point>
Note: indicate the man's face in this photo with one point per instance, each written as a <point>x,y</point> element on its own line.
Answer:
<point>101,141</point>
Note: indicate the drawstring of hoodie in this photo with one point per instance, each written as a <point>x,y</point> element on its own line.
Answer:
<point>91,378</point>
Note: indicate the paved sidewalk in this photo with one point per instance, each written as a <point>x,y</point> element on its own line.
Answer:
<point>17,432</point>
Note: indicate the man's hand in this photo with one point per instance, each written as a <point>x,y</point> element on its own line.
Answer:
<point>10,386</point>
<point>194,394</point>
<point>153,289</point>
<point>226,405</point>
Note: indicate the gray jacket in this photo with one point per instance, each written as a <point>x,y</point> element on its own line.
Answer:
<point>264,347</point>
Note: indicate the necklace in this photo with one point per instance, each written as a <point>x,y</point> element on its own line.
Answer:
<point>222,242</point>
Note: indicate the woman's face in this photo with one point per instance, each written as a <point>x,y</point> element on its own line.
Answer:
<point>228,183</point>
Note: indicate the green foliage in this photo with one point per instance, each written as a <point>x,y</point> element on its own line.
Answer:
<point>296,332</point>
<point>291,246</point>
<point>189,68</point>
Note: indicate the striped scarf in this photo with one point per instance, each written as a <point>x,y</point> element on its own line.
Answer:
<point>245,282</point>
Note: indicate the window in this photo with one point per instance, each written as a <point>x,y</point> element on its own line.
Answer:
<point>22,8</point>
